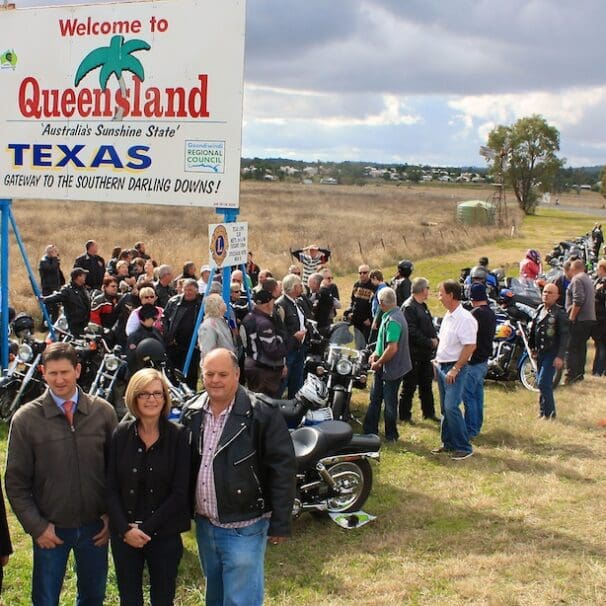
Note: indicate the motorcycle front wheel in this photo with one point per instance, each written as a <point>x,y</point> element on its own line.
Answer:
<point>528,376</point>
<point>354,479</point>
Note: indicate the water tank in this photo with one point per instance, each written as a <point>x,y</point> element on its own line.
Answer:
<point>476,212</point>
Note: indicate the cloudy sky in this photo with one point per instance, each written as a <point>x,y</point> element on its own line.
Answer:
<point>419,81</point>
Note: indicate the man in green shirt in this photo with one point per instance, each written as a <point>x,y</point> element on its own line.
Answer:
<point>390,361</point>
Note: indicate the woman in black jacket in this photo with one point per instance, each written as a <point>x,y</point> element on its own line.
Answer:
<point>148,505</point>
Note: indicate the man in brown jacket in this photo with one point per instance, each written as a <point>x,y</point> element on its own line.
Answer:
<point>55,480</point>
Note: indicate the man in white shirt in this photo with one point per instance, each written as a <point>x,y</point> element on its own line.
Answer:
<point>457,341</point>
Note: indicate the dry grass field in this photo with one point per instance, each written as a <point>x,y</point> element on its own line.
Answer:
<point>376,224</point>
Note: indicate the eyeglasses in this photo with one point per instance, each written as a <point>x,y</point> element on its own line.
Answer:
<point>156,395</point>
<point>362,272</point>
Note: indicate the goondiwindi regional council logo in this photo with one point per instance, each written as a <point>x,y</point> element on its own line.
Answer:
<point>8,59</point>
<point>219,245</point>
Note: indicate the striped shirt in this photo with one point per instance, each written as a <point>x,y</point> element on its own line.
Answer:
<point>206,496</point>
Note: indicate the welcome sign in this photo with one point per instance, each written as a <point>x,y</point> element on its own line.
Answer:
<point>127,102</point>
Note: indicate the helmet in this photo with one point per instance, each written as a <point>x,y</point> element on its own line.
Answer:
<point>478,273</point>
<point>23,324</point>
<point>534,255</point>
<point>506,296</point>
<point>150,352</point>
<point>405,267</point>
<point>314,391</point>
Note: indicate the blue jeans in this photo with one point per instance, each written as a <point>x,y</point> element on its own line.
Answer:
<point>295,363</point>
<point>473,398</point>
<point>545,374</point>
<point>162,556</point>
<point>233,562</point>
<point>383,390</point>
<point>453,430</point>
<point>91,567</point>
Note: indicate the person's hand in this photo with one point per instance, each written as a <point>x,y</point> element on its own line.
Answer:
<point>533,354</point>
<point>48,539</point>
<point>376,365</point>
<point>372,358</point>
<point>299,335</point>
<point>451,376</point>
<point>434,343</point>
<point>277,540</point>
<point>284,372</point>
<point>102,537</point>
<point>4,560</point>
<point>136,538</point>
<point>367,322</point>
<point>558,363</point>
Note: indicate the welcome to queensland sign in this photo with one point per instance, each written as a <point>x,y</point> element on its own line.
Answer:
<point>126,102</point>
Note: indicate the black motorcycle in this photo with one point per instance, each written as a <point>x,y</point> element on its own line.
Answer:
<point>343,365</point>
<point>23,380</point>
<point>334,474</point>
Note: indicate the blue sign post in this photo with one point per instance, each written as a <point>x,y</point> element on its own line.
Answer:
<point>7,218</point>
<point>229,216</point>
<point>5,209</point>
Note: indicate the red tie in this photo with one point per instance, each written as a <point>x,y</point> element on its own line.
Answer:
<point>68,410</point>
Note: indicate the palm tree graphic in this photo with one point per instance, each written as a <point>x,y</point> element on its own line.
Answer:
<point>114,59</point>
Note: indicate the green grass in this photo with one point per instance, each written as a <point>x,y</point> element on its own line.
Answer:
<point>519,523</point>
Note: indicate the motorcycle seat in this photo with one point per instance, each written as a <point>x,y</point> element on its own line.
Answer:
<point>363,442</point>
<point>314,443</point>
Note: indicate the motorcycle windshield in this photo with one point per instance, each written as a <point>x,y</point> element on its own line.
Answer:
<point>526,291</point>
<point>344,334</point>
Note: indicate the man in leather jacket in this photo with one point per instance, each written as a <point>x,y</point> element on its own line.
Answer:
<point>179,322</point>
<point>423,342</point>
<point>94,265</point>
<point>75,300</point>
<point>293,312</point>
<point>242,482</point>
<point>548,338</point>
<point>51,277</point>
<point>265,348</point>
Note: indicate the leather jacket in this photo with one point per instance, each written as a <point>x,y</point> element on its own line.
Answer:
<point>549,335</point>
<point>76,305</point>
<point>263,341</point>
<point>420,330</point>
<point>173,314</point>
<point>290,319</point>
<point>254,465</point>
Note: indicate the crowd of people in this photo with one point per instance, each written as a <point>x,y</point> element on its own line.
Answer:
<point>77,481</point>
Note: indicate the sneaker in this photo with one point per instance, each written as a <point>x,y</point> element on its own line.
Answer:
<point>441,450</point>
<point>459,455</point>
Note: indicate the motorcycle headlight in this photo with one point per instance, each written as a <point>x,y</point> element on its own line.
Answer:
<point>26,353</point>
<point>112,363</point>
<point>344,367</point>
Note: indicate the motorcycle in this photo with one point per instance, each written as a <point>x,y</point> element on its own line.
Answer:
<point>23,379</point>
<point>109,381</point>
<point>334,474</point>
<point>511,356</point>
<point>343,366</point>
